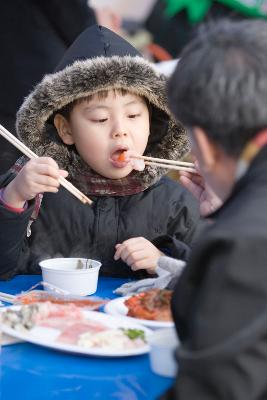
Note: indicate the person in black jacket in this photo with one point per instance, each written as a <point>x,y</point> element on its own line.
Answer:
<point>103,99</point>
<point>219,91</point>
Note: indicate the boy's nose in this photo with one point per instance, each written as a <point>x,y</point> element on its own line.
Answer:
<point>119,134</point>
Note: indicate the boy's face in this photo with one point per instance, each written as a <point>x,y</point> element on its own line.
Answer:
<point>102,128</point>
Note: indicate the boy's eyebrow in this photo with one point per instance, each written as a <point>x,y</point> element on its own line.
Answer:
<point>103,106</point>
<point>95,107</point>
<point>134,102</point>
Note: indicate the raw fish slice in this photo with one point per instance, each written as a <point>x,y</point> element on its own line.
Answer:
<point>71,334</point>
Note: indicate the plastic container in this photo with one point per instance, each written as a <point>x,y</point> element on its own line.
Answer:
<point>78,276</point>
<point>163,343</point>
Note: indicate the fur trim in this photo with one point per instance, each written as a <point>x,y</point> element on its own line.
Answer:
<point>85,77</point>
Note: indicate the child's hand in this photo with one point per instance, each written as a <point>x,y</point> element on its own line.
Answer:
<point>39,175</point>
<point>138,253</point>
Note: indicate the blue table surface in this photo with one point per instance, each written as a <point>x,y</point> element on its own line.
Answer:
<point>33,372</point>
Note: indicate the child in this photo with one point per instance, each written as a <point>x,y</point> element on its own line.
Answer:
<point>219,90</point>
<point>103,100</point>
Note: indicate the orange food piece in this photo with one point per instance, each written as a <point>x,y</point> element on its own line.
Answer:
<point>122,156</point>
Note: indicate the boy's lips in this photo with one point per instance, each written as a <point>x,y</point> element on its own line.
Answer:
<point>117,159</point>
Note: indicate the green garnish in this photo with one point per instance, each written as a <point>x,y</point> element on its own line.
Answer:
<point>134,333</point>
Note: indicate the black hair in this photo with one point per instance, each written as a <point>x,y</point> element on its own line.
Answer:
<point>220,83</point>
<point>102,94</point>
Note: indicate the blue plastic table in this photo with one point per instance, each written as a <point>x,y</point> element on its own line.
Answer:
<point>35,373</point>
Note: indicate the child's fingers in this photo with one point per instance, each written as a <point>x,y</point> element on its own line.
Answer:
<point>127,247</point>
<point>63,173</point>
<point>47,166</point>
<point>140,264</point>
<point>46,181</point>
<point>134,258</point>
<point>118,251</point>
<point>47,160</point>
<point>123,252</point>
<point>43,189</point>
<point>47,170</point>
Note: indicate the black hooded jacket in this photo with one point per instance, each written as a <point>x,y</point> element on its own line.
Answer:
<point>219,304</point>
<point>163,213</point>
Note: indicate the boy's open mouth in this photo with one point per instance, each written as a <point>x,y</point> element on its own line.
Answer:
<point>119,158</point>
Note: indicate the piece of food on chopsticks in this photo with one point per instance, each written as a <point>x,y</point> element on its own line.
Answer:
<point>40,296</point>
<point>154,304</point>
<point>122,158</point>
<point>68,324</point>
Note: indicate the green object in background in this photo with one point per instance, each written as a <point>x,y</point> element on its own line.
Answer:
<point>250,8</point>
<point>197,9</point>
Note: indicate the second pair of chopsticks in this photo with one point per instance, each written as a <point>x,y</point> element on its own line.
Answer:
<point>30,154</point>
<point>7,298</point>
<point>170,164</point>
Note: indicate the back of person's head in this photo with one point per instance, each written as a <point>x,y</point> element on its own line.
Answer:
<point>220,83</point>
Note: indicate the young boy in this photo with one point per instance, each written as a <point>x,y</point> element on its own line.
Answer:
<point>219,90</point>
<point>103,99</point>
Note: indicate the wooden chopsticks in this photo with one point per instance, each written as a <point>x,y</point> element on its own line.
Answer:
<point>8,298</point>
<point>29,153</point>
<point>170,164</point>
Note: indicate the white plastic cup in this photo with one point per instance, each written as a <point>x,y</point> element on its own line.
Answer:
<point>163,343</point>
<point>64,274</point>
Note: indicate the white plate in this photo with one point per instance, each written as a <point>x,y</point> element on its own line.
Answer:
<point>117,308</point>
<point>46,338</point>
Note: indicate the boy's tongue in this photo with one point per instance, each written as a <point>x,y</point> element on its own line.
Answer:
<point>121,158</point>
<point>118,160</point>
<point>121,155</point>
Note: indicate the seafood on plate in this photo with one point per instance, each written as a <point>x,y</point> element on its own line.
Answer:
<point>40,296</point>
<point>153,304</point>
<point>70,325</point>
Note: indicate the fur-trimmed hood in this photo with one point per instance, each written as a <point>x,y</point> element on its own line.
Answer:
<point>99,60</point>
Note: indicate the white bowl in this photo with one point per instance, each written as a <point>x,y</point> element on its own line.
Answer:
<point>65,274</point>
<point>163,343</point>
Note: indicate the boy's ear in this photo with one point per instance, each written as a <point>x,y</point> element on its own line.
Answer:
<point>63,129</point>
<point>206,149</point>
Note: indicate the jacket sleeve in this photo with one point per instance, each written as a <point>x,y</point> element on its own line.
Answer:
<point>12,240</point>
<point>183,224</point>
<point>173,247</point>
<point>224,343</point>
<point>13,228</point>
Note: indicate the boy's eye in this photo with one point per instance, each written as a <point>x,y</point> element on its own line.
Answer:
<point>100,120</point>
<point>134,115</point>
